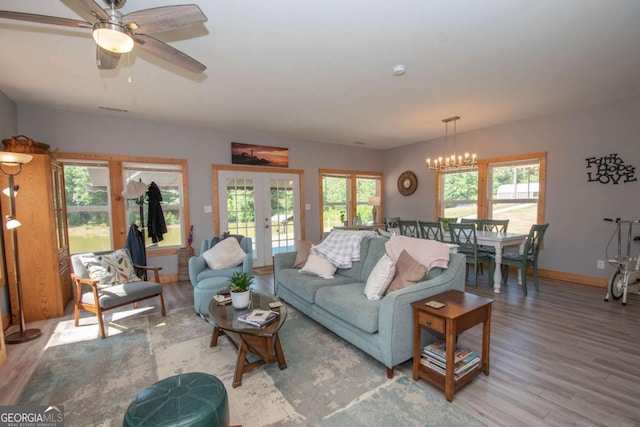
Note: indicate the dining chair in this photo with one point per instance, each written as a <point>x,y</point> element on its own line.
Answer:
<point>431,230</point>
<point>494,225</point>
<point>474,221</point>
<point>464,235</point>
<point>391,222</point>
<point>529,257</point>
<point>409,228</point>
<point>445,221</point>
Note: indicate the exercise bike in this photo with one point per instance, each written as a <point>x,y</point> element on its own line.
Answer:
<point>626,277</point>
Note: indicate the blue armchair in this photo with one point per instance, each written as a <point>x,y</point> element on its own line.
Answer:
<point>207,282</point>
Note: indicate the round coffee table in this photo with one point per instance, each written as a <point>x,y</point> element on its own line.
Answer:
<point>261,341</point>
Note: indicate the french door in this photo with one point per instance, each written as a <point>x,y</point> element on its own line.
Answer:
<point>261,205</point>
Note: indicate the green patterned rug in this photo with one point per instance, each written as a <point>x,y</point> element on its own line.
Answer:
<point>327,382</point>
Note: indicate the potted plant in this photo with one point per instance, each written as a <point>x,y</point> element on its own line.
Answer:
<point>240,289</point>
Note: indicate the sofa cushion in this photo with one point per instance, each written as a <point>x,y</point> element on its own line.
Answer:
<point>348,302</point>
<point>224,254</point>
<point>376,251</point>
<point>303,248</point>
<point>380,278</point>
<point>408,272</point>
<point>306,285</point>
<point>318,266</point>
<point>355,272</point>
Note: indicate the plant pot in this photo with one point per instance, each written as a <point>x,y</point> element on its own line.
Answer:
<point>240,300</point>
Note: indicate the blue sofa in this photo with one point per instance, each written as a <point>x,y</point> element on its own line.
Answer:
<point>207,282</point>
<point>381,328</point>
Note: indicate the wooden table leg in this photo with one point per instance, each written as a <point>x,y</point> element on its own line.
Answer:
<point>240,363</point>
<point>279,353</point>
<point>451,351</point>
<point>214,336</point>
<point>486,340</point>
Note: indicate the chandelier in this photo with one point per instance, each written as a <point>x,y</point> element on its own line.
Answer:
<point>451,161</point>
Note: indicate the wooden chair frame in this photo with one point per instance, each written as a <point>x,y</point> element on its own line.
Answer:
<point>96,309</point>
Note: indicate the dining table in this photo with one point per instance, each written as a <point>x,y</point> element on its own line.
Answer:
<point>498,241</point>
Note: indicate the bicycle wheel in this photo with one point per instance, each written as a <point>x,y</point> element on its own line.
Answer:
<point>616,285</point>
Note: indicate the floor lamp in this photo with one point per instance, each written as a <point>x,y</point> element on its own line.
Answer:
<point>12,161</point>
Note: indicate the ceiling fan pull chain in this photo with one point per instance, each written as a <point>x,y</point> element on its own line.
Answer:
<point>129,67</point>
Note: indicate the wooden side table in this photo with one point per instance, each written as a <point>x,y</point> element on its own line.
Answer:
<point>461,311</point>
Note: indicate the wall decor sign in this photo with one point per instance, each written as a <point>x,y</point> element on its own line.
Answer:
<point>609,169</point>
<point>259,155</point>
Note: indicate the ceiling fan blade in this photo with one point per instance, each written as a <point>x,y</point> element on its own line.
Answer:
<point>164,51</point>
<point>44,19</point>
<point>165,18</point>
<point>87,8</point>
<point>106,60</point>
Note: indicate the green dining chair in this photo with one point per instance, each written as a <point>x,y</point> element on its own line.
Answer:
<point>494,225</point>
<point>409,228</point>
<point>431,230</point>
<point>391,222</point>
<point>474,221</point>
<point>464,235</point>
<point>529,257</point>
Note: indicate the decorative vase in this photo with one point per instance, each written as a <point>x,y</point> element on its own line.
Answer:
<point>240,300</point>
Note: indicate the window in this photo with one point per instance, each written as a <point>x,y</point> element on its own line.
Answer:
<point>168,178</point>
<point>98,217</point>
<point>88,206</point>
<point>460,194</point>
<point>339,206</point>
<point>514,190</point>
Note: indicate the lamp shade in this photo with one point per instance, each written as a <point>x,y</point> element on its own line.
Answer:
<point>12,223</point>
<point>374,201</point>
<point>14,159</point>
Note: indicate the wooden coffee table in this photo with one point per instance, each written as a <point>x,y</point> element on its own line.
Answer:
<point>263,342</point>
<point>462,311</point>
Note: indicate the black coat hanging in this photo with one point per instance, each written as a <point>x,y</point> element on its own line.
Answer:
<point>156,225</point>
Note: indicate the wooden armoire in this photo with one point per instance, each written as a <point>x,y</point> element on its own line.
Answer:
<point>43,242</point>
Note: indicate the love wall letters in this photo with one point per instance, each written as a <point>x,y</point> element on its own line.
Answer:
<point>609,170</point>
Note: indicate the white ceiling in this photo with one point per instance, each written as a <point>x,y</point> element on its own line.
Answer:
<point>322,70</point>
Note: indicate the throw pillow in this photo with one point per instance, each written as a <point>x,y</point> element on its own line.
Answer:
<point>110,269</point>
<point>380,278</point>
<point>408,272</point>
<point>225,254</point>
<point>318,266</point>
<point>302,254</point>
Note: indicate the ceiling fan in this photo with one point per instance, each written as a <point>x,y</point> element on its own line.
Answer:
<point>115,33</point>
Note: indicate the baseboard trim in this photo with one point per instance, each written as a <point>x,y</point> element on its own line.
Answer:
<point>574,278</point>
<point>168,278</point>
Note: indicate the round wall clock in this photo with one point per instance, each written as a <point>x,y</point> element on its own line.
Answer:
<point>407,183</point>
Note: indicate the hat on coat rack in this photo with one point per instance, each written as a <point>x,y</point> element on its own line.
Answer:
<point>134,190</point>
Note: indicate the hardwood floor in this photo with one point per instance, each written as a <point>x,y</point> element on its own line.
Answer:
<point>560,356</point>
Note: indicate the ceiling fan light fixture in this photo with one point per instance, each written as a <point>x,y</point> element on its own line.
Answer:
<point>112,37</point>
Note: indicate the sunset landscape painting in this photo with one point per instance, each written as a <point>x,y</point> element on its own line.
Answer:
<point>259,155</point>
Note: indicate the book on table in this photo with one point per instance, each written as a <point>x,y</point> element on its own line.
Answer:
<point>434,357</point>
<point>258,317</point>
<point>438,350</point>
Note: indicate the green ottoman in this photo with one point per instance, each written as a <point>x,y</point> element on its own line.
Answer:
<point>193,399</point>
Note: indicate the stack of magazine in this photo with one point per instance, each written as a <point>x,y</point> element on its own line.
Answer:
<point>259,317</point>
<point>434,357</point>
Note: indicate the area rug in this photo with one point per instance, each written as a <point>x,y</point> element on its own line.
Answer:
<point>327,381</point>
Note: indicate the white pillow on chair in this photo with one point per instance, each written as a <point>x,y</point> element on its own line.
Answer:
<point>225,254</point>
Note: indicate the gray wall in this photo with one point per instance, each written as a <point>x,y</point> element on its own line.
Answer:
<point>8,128</point>
<point>575,208</point>
<point>576,238</point>
<point>201,147</point>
